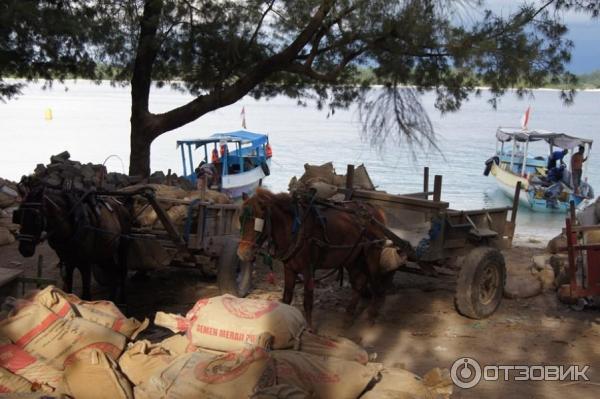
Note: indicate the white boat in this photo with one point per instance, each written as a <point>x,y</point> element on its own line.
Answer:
<point>540,192</point>
<point>241,159</point>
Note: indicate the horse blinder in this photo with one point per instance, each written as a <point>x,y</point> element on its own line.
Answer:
<point>30,218</point>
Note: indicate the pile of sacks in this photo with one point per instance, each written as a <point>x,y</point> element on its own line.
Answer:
<point>324,180</point>
<point>8,203</point>
<point>224,347</point>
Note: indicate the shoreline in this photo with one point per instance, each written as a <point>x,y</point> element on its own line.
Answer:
<point>375,86</point>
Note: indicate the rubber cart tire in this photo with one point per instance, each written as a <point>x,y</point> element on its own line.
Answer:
<point>233,276</point>
<point>480,284</point>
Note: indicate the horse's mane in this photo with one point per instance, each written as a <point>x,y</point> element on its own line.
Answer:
<point>266,198</point>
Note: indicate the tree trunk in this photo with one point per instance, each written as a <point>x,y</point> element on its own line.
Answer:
<point>139,158</point>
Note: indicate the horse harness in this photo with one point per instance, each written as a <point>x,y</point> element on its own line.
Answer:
<point>318,247</point>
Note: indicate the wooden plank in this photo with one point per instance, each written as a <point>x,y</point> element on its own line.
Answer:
<point>349,181</point>
<point>586,228</point>
<point>437,188</point>
<point>399,199</point>
<point>426,180</point>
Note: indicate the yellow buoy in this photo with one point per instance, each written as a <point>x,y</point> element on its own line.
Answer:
<point>48,114</point>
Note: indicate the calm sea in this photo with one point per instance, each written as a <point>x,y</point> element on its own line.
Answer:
<point>92,123</point>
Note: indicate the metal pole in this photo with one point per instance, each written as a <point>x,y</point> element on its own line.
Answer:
<point>512,155</point>
<point>525,158</point>
<point>191,163</point>
<point>515,204</point>
<point>183,161</point>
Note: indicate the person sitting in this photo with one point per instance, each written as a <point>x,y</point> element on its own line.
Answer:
<point>555,157</point>
<point>556,173</point>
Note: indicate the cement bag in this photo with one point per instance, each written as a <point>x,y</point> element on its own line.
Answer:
<point>338,347</point>
<point>104,313</point>
<point>177,345</point>
<point>12,383</point>
<point>227,323</point>
<point>201,375</point>
<point>323,377</point>
<point>56,340</point>
<point>19,362</point>
<point>95,376</point>
<point>390,259</point>
<point>142,360</point>
<point>323,172</point>
<point>323,190</point>
<point>147,255</point>
<point>6,236</point>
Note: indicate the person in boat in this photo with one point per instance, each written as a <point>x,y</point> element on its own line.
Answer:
<point>577,161</point>
<point>208,172</point>
<point>585,190</point>
<point>556,173</point>
<point>555,157</point>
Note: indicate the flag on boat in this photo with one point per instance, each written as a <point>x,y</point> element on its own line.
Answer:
<point>243,114</point>
<point>525,119</point>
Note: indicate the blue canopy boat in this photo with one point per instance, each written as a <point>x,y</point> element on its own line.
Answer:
<point>240,160</point>
<point>540,192</point>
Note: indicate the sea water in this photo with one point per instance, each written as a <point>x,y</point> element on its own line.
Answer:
<point>92,122</point>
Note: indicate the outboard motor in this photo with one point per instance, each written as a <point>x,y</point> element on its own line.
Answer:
<point>488,165</point>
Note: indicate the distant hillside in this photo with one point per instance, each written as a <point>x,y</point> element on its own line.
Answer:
<point>590,80</point>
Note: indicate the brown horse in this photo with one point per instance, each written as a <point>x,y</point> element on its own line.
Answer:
<point>86,232</point>
<point>306,237</point>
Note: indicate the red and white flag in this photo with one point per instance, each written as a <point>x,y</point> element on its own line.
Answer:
<point>525,119</point>
<point>243,114</point>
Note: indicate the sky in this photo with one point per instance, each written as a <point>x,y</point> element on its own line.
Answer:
<point>583,31</point>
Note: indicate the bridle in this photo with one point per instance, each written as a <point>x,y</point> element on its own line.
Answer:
<point>261,226</point>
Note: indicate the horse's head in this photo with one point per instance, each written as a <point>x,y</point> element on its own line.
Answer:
<point>254,224</point>
<point>30,216</point>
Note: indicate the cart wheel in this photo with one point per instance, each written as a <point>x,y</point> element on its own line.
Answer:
<point>233,276</point>
<point>480,284</point>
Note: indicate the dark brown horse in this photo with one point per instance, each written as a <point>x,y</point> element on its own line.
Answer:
<point>86,232</point>
<point>306,237</point>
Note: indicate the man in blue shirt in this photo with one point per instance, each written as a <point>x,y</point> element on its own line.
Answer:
<point>555,157</point>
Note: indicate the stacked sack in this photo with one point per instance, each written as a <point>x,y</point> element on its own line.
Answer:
<point>56,343</point>
<point>224,347</point>
<point>8,203</point>
<point>324,180</point>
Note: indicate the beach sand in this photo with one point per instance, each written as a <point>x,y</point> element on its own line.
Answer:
<point>418,329</point>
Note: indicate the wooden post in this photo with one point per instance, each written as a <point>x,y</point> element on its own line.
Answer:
<point>515,204</point>
<point>437,188</point>
<point>169,177</point>
<point>349,181</point>
<point>426,182</point>
<point>572,213</point>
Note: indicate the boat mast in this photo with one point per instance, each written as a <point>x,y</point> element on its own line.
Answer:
<point>512,154</point>
<point>525,158</point>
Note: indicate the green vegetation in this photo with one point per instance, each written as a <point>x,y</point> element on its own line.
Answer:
<point>589,80</point>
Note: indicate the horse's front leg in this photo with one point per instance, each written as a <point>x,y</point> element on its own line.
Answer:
<point>66,272</point>
<point>289,277</point>
<point>377,285</point>
<point>86,281</point>
<point>309,287</point>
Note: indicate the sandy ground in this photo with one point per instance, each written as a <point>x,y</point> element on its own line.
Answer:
<point>418,328</point>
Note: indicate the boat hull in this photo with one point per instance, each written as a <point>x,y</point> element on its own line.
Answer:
<point>244,183</point>
<point>507,182</point>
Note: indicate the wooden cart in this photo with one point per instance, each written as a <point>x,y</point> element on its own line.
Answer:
<point>208,240</point>
<point>435,236</point>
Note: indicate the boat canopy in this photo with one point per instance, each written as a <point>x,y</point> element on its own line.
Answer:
<point>240,136</point>
<point>561,140</point>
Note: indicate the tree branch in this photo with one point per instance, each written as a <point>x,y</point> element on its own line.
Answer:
<point>222,97</point>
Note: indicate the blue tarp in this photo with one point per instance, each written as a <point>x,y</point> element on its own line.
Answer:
<point>240,136</point>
